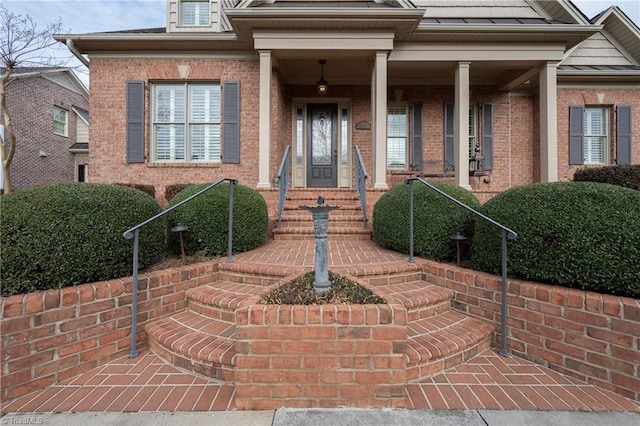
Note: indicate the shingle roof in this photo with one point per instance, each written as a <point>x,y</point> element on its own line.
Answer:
<point>489,21</point>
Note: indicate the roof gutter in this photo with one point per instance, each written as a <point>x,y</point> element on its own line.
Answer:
<point>76,53</point>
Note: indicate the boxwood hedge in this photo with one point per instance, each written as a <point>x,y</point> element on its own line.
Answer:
<point>576,234</point>
<point>67,234</point>
<point>627,175</point>
<point>436,219</point>
<point>207,217</point>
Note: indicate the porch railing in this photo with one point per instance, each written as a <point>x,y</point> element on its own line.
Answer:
<point>361,184</point>
<point>284,173</point>
<point>134,233</point>
<point>506,234</point>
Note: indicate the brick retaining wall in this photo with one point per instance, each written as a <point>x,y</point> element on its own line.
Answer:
<point>53,335</point>
<point>590,336</point>
<point>320,356</point>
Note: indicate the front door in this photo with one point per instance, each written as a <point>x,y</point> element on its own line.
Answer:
<point>322,152</point>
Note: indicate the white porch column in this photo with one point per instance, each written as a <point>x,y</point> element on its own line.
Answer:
<point>264,138</point>
<point>380,119</point>
<point>461,126</point>
<point>548,123</point>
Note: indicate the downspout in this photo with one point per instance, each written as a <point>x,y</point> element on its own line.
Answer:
<point>76,53</point>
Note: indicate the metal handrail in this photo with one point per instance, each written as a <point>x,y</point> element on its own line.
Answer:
<point>134,233</point>
<point>506,233</point>
<point>361,184</point>
<point>283,182</point>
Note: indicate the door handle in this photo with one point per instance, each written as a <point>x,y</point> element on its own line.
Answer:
<point>335,157</point>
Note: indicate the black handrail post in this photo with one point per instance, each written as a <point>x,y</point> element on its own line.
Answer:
<point>232,183</point>
<point>503,338</point>
<point>411,258</point>
<point>134,296</point>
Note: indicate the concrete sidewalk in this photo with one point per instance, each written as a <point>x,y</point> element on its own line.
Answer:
<point>331,417</point>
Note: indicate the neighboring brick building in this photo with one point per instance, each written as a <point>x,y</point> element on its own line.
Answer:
<point>428,85</point>
<point>49,114</point>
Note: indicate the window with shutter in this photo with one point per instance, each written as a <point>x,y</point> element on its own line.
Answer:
<point>186,122</point>
<point>397,136</point>
<point>480,143</point>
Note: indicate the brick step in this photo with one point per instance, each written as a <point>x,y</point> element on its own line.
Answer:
<point>220,299</point>
<point>306,217</point>
<point>353,232</point>
<point>332,224</point>
<point>444,341</point>
<point>421,299</point>
<point>328,194</point>
<point>197,343</point>
<point>345,209</point>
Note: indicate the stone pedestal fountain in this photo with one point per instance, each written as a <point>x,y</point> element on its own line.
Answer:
<point>320,215</point>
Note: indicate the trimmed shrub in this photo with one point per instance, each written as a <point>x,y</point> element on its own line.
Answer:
<point>147,189</point>
<point>172,190</point>
<point>575,234</point>
<point>626,175</point>
<point>207,218</point>
<point>67,234</point>
<point>436,219</point>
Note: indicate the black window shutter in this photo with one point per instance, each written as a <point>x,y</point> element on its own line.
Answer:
<point>448,135</point>
<point>231,122</point>
<point>417,133</point>
<point>487,136</point>
<point>623,132</point>
<point>135,121</point>
<point>576,134</point>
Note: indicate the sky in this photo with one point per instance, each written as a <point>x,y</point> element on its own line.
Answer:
<point>86,16</point>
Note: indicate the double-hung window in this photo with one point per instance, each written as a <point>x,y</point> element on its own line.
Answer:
<point>397,136</point>
<point>596,135</point>
<point>195,13</point>
<point>186,122</point>
<point>474,145</point>
<point>60,121</point>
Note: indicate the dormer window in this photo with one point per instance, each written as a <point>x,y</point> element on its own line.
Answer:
<point>195,13</point>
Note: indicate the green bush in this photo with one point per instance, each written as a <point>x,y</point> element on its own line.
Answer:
<point>147,189</point>
<point>623,175</point>
<point>67,234</point>
<point>172,190</point>
<point>436,219</point>
<point>575,234</point>
<point>207,219</point>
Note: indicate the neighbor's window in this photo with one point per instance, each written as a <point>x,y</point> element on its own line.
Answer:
<point>195,13</point>
<point>186,122</point>
<point>397,125</point>
<point>60,121</point>
<point>596,135</point>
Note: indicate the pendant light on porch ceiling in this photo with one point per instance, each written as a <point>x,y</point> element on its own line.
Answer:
<point>322,84</point>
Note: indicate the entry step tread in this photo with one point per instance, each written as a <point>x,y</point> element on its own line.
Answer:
<point>224,294</point>
<point>414,294</point>
<point>444,335</point>
<point>196,337</point>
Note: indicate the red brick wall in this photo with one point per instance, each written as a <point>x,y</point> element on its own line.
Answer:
<point>320,356</point>
<point>30,102</point>
<point>53,335</point>
<point>588,97</point>
<point>590,336</point>
<point>107,156</point>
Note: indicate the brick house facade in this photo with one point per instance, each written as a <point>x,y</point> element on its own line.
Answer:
<point>425,86</point>
<point>44,152</point>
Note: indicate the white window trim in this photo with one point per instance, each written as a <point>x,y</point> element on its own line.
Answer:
<point>606,148</point>
<point>186,123</point>
<point>473,132</point>
<point>196,24</point>
<point>65,133</point>
<point>406,135</point>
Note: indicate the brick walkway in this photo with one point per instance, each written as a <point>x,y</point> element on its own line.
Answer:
<point>488,381</point>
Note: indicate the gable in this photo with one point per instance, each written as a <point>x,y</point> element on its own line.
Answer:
<point>597,50</point>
